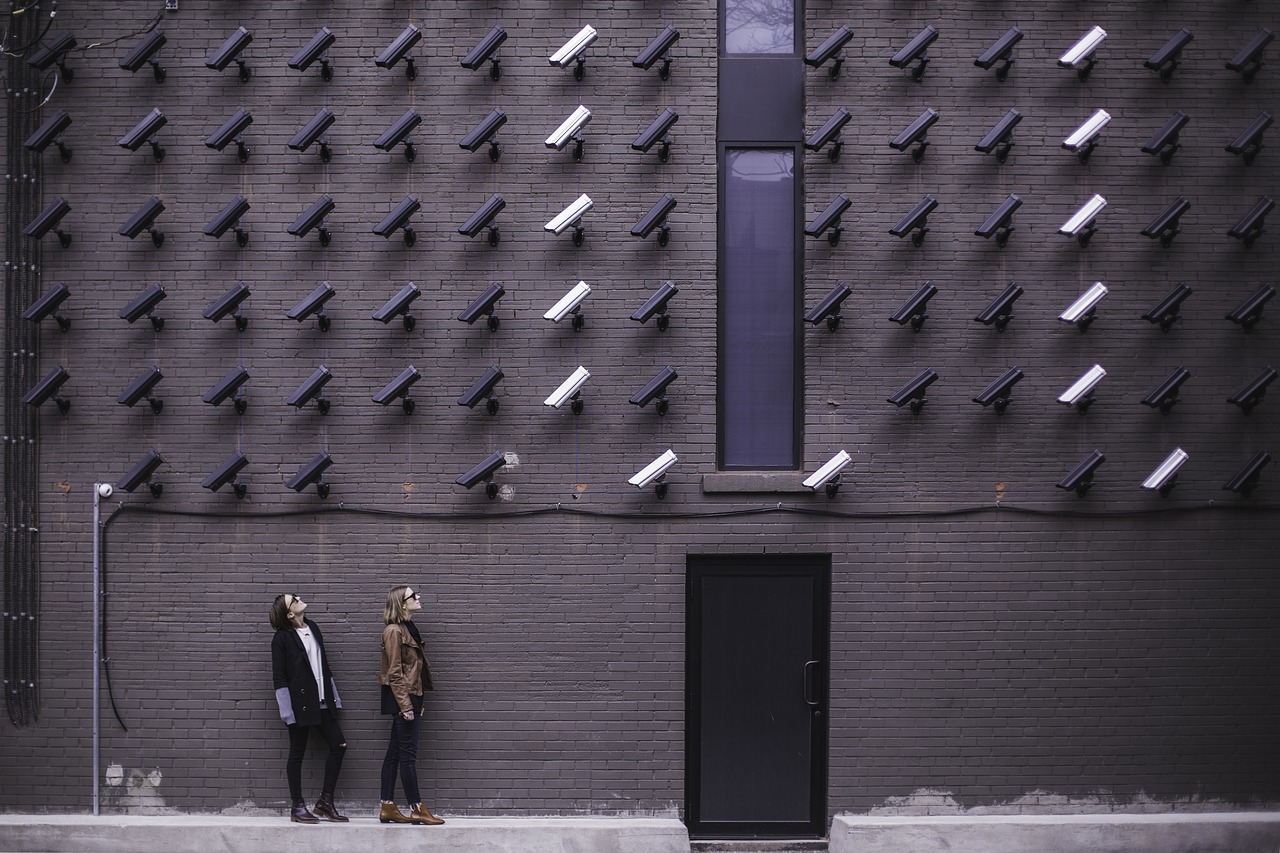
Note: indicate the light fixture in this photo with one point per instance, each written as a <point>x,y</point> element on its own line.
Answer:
<point>398,389</point>
<point>1000,137</point>
<point>571,215</point>
<point>482,389</point>
<point>830,51</point>
<point>656,218</point>
<point>827,477</point>
<point>1165,476</point>
<point>829,133</point>
<point>1250,226</point>
<point>1249,59</point>
<point>999,392</point>
<point>916,220</point>
<point>143,53</point>
<point>1165,396</point>
<point>399,218</point>
<point>1085,137</point>
<point>1080,480</point>
<point>48,220</point>
<point>916,134</point>
<point>829,220</point>
<point>141,388</point>
<point>655,389</point>
<point>1000,311</point>
<point>572,51</point>
<point>313,131</point>
<point>569,390</point>
<point>1081,55</point>
<point>658,48</point>
<point>144,132</point>
<point>228,303</point>
<point>399,49</point>
<point>143,305</point>
<point>1079,394</point>
<point>655,474</point>
<point>913,310</point>
<point>226,475</point>
<point>1000,51</point>
<point>398,306</point>
<point>50,132</point>
<point>659,129</point>
<point>569,131</point>
<point>398,133</point>
<point>314,216</point>
<point>47,306</point>
<point>483,473</point>
<point>484,132</point>
<point>312,474</point>
<point>54,52</point>
<point>913,393</point>
<point>141,474</point>
<point>230,130</point>
<point>47,388</point>
<point>1247,315</point>
<point>229,218</point>
<point>228,386</point>
<point>1000,222</point>
<point>1081,224</point>
<point>483,306</point>
<point>1165,141</point>
<point>1167,311</point>
<point>483,218</point>
<point>1166,59</point>
<point>570,303</point>
<point>1248,397</point>
<point>1249,142</point>
<point>484,52</point>
<point>1165,226</point>
<point>829,307</point>
<point>313,303</point>
<point>230,52</point>
<point>1246,480</point>
<point>144,219</point>
<point>1083,311</point>
<point>312,388</point>
<point>657,304</point>
<point>312,50</point>
<point>915,51</point>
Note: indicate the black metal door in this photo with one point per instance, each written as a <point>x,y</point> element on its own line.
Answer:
<point>756,736</point>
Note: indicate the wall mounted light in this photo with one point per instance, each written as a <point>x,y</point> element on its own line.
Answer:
<point>915,51</point>
<point>1249,59</point>
<point>312,388</point>
<point>483,306</point>
<point>830,51</point>
<point>313,303</point>
<point>1079,394</point>
<point>229,218</point>
<point>313,50</point>
<point>1165,476</point>
<point>313,131</point>
<point>1081,224</point>
<point>47,389</point>
<point>1165,396</point>
<point>655,389</point>
<point>141,473</point>
<point>829,220</point>
<point>659,129</point>
<point>571,216</point>
<point>398,389</point>
<point>1248,397</point>
<point>570,304</point>
<point>398,306</point>
<point>913,393</point>
<point>569,390</point>
<point>1000,222</point>
<point>1165,226</point>
<point>571,53</point>
<point>484,132</point>
<point>54,52</point>
<point>655,474</point>
<point>1000,51</point>
<point>227,387</point>
<point>226,475</point>
<point>1085,138</point>
<point>657,304</point>
<point>569,131</point>
<point>48,220</point>
<point>483,473</point>
<point>1247,315</point>
<point>1166,312</point>
<point>829,307</point>
<point>50,132</point>
<point>829,133</point>
<point>312,217</point>
<point>230,130</point>
<point>229,304</point>
<point>399,218</point>
<point>1083,311</point>
<point>1246,480</point>
<point>1250,226</point>
<point>1081,55</point>
<point>658,48</point>
<point>913,310</point>
<point>230,52</point>
<point>827,477</point>
<point>143,305</point>
<point>47,306</point>
<point>998,393</point>
<point>656,218</point>
<point>141,388</point>
<point>916,134</point>
<point>398,133</point>
<point>1000,137</point>
<point>483,218</point>
<point>144,52</point>
<point>144,219</point>
<point>1165,141</point>
<point>312,474</point>
<point>144,132</point>
<point>484,52</point>
<point>1080,480</point>
<point>1000,311</point>
<point>1249,142</point>
<point>916,220</point>
<point>483,389</point>
<point>1167,58</point>
<point>399,49</point>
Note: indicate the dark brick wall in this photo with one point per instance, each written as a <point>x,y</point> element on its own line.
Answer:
<point>1119,646</point>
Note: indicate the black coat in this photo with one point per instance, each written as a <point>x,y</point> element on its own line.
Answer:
<point>294,682</point>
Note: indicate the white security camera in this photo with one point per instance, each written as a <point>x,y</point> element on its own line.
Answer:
<point>654,472</point>
<point>1080,225</point>
<point>568,303</point>
<point>569,128</point>
<point>1080,53</point>
<point>106,490</point>
<point>828,475</point>
<point>1165,477</point>
<point>570,215</point>
<point>573,48</point>
<point>569,390</point>
<point>1078,312</point>
<point>1081,391</point>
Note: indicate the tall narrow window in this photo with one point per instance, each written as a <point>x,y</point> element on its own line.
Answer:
<point>759,26</point>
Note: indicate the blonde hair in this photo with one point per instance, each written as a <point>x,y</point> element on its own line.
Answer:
<point>395,611</point>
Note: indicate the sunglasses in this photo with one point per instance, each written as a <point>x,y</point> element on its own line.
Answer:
<point>290,599</point>
<point>413,596</point>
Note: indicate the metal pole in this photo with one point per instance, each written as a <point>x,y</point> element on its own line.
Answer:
<point>97,634</point>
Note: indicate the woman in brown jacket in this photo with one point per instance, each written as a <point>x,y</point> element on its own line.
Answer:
<point>404,675</point>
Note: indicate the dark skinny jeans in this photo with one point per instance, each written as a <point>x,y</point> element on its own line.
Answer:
<point>402,756</point>
<point>298,737</point>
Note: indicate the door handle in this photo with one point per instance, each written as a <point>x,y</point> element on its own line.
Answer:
<point>809,668</point>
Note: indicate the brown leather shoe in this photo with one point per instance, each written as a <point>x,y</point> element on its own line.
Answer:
<point>390,813</point>
<point>326,809</point>
<point>420,814</point>
<point>301,815</point>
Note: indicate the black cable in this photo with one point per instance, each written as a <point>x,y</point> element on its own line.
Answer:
<point>106,658</point>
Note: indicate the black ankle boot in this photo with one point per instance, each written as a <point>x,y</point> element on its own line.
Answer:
<point>301,815</point>
<point>326,809</point>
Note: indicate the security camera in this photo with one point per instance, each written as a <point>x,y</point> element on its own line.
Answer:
<point>142,133</point>
<point>1085,137</point>
<point>1001,51</point>
<point>398,306</point>
<point>230,52</point>
<point>568,304</point>
<point>829,50</point>
<point>827,477</point>
<point>1165,397</point>
<point>312,131</point>
<point>1080,55</point>
<point>312,51</point>
<point>1247,315</point>
<point>916,220</point>
<point>1000,138</point>
<point>398,133</point>
<point>1165,476</point>
<point>228,219</point>
<point>312,474</point>
<point>998,393</point>
<point>1080,480</point>
<point>1080,392</point>
<point>913,393</point>
<point>655,389</point>
<point>569,130</point>
<point>231,130</point>
<point>1165,141</point>
<point>1252,393</point>
<point>1166,59</point>
<point>398,389</point>
<point>913,310</point>
<point>313,303</point>
<point>50,132</point>
<point>482,389</point>
<point>106,490</point>
<point>142,472</point>
<point>1249,59</point>
<point>48,221</point>
<point>1165,226</point>
<point>1249,228</point>
<point>228,386</point>
<point>914,51</point>
<point>659,129</point>
<point>483,473</point>
<point>399,218</point>
<point>229,303</point>
<point>143,305</point>
<point>916,134</point>
<point>311,389</point>
<point>313,216</point>
<point>1080,224</point>
<point>657,304</point>
<point>483,218</point>
<point>569,390</point>
<point>1000,222</point>
<point>829,133</point>
<point>47,305</point>
<point>47,388</point>
<point>572,51</point>
<point>484,132</point>
<point>829,307</point>
<point>1165,312</point>
<point>829,220</point>
<point>54,52</point>
<point>143,52</point>
<point>399,49</point>
<point>655,473</point>
<point>656,218</point>
<point>144,219</point>
<point>1246,480</point>
<point>1081,312</point>
<point>1249,142</point>
<point>484,52</point>
<point>483,306</point>
<point>571,215</point>
<point>658,48</point>
<point>141,388</point>
<point>226,475</point>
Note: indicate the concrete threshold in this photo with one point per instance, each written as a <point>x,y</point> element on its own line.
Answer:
<point>1212,832</point>
<point>218,834</point>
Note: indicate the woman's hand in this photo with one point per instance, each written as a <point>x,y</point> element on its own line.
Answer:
<point>408,715</point>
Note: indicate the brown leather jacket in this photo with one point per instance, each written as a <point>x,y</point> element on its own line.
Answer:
<point>402,666</point>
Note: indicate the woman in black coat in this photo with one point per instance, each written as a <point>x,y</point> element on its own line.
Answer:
<point>307,697</point>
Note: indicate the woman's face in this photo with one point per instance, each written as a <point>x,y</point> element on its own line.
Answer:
<point>412,601</point>
<point>296,608</point>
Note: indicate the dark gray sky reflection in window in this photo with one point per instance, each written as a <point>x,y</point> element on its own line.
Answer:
<point>759,26</point>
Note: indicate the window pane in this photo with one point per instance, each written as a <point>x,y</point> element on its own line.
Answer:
<point>759,26</point>
<point>758,310</point>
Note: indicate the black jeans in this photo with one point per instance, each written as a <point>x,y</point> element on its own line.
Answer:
<point>402,756</point>
<point>298,737</point>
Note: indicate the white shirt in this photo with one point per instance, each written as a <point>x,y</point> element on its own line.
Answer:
<point>313,656</point>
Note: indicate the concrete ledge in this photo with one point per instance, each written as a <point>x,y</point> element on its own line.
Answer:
<point>216,834</point>
<point>1235,832</point>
